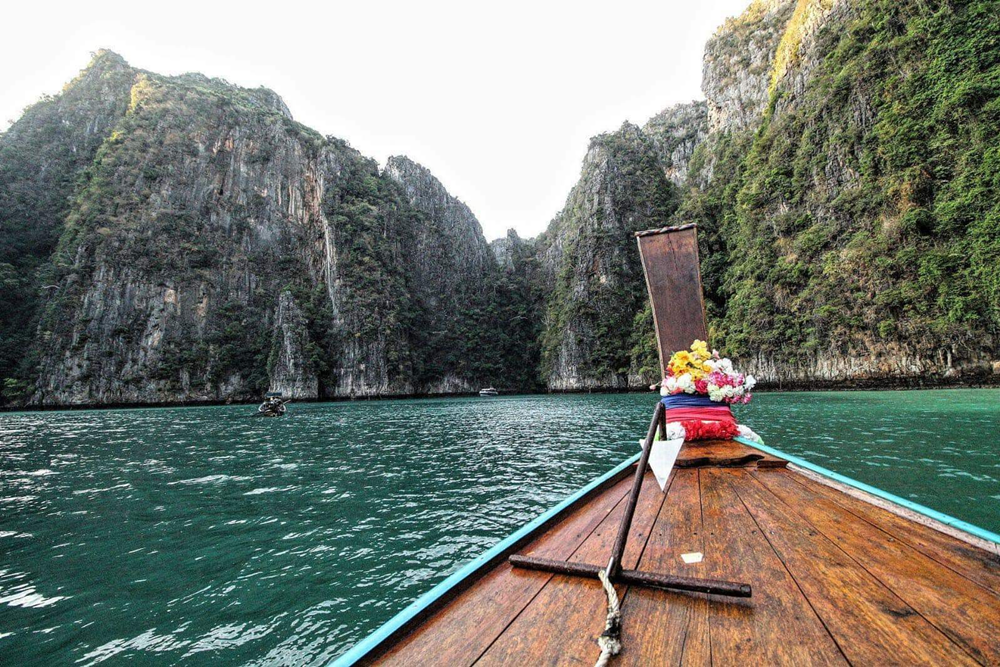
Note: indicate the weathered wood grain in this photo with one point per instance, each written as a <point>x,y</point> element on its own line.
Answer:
<point>725,454</point>
<point>870,623</point>
<point>468,625</point>
<point>661,627</point>
<point>834,579</point>
<point>562,622</point>
<point>964,611</point>
<point>777,626</point>
<point>975,564</point>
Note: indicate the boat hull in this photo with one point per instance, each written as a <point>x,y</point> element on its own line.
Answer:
<point>836,577</point>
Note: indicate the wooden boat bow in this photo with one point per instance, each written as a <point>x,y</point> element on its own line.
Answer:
<point>840,572</point>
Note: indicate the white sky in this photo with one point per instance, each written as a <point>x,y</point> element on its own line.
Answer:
<point>498,100</point>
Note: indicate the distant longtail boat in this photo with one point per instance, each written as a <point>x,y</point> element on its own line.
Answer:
<point>751,556</point>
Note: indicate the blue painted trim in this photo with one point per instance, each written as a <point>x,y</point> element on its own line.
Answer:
<point>363,647</point>
<point>885,495</point>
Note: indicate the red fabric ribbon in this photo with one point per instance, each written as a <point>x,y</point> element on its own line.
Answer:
<point>705,423</point>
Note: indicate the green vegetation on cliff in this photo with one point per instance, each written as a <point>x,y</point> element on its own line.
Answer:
<point>41,158</point>
<point>867,210</point>
<point>847,197</point>
<point>180,238</point>
<point>187,240</point>
<point>597,286</point>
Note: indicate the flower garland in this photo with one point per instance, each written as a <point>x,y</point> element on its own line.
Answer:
<point>698,371</point>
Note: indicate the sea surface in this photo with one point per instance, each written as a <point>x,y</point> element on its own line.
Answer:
<point>204,535</point>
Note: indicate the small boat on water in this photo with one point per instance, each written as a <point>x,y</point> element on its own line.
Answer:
<point>273,405</point>
<point>748,556</point>
<point>489,391</point>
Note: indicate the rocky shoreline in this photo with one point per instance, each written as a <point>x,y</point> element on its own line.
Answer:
<point>881,384</point>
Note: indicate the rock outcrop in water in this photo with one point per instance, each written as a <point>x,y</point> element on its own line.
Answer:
<point>842,174</point>
<point>590,269</point>
<point>173,239</point>
<point>191,242</point>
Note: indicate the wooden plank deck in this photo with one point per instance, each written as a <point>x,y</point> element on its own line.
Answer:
<point>835,580</point>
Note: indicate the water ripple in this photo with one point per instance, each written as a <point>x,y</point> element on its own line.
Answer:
<point>205,535</point>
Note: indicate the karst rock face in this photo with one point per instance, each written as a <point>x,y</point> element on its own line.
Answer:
<point>450,264</point>
<point>677,131</point>
<point>842,175</point>
<point>738,62</point>
<point>182,239</point>
<point>589,264</point>
<point>201,246</point>
<point>844,239</point>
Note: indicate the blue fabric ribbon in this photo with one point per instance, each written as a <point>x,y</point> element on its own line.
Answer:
<point>688,401</point>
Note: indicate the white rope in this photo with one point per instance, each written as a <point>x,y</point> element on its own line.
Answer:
<point>610,639</point>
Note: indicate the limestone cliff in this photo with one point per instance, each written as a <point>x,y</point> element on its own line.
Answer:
<point>738,62</point>
<point>849,199</point>
<point>677,131</point>
<point>171,239</point>
<point>202,246</point>
<point>41,157</point>
<point>589,264</point>
<point>841,174</point>
<point>449,262</point>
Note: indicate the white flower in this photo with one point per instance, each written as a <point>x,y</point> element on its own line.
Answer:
<point>749,382</point>
<point>664,391</point>
<point>685,383</point>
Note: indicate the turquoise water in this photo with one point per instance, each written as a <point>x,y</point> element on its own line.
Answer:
<point>203,535</point>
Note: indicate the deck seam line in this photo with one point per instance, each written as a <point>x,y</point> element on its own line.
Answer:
<point>902,511</point>
<point>909,542</point>
<point>575,550</point>
<point>687,627</point>
<point>701,534</point>
<point>872,574</point>
<point>687,611</point>
<point>384,637</point>
<point>550,577</point>
<point>659,510</point>
<point>790,574</point>
<point>649,534</point>
<point>642,551</point>
<point>963,527</point>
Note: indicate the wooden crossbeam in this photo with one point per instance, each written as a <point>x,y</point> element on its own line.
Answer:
<point>614,568</point>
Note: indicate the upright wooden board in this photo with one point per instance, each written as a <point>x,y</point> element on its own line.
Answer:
<point>673,278</point>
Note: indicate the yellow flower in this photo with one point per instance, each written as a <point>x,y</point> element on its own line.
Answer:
<point>700,349</point>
